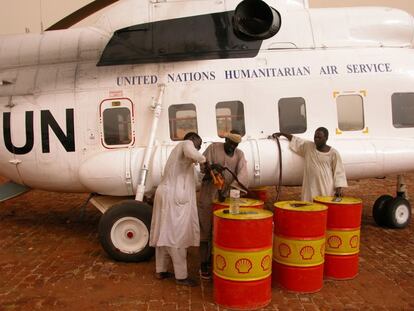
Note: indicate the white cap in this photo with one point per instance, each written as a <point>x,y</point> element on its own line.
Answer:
<point>234,194</point>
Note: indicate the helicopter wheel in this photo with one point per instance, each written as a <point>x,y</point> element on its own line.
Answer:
<point>124,231</point>
<point>397,213</point>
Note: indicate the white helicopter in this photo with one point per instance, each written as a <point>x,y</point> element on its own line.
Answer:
<point>98,109</point>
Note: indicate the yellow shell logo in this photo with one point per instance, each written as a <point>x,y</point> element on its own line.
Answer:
<point>284,250</point>
<point>220,262</point>
<point>266,261</point>
<point>307,252</point>
<point>334,241</point>
<point>243,265</point>
<point>322,250</point>
<point>354,241</point>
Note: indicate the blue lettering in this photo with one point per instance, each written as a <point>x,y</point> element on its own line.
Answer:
<point>369,68</point>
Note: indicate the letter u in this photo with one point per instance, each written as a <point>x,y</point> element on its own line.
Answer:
<point>29,134</point>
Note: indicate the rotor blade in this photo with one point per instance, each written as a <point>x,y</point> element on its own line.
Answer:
<point>81,14</point>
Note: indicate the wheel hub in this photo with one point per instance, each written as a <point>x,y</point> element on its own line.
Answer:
<point>129,235</point>
<point>402,214</point>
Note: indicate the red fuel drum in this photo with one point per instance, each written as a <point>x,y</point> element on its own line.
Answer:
<point>243,202</point>
<point>299,245</point>
<point>260,193</point>
<point>342,237</point>
<point>242,250</point>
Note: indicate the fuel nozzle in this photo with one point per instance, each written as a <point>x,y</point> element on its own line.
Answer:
<point>216,175</point>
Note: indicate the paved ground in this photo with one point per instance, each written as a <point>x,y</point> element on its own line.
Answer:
<point>51,260</point>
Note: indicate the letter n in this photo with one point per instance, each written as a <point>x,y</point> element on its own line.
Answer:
<point>67,141</point>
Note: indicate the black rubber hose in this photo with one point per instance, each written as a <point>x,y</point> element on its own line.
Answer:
<point>279,184</point>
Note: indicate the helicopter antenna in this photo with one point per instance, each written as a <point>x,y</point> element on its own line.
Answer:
<point>41,17</point>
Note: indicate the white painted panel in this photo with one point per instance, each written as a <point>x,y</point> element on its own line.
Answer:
<point>87,119</point>
<point>50,47</point>
<point>362,27</point>
<point>9,78</point>
<point>177,9</point>
<point>69,45</point>
<point>105,172</point>
<point>86,76</point>
<point>91,44</point>
<point>46,78</point>
<point>9,53</point>
<point>29,50</point>
<point>65,79</point>
<point>26,81</point>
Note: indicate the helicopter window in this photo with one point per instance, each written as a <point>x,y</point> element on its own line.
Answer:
<point>230,116</point>
<point>292,115</point>
<point>117,126</point>
<point>350,112</point>
<point>403,110</point>
<point>183,119</point>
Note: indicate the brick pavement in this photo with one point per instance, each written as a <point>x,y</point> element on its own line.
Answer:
<point>52,260</point>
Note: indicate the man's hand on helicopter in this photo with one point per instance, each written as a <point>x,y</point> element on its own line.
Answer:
<point>279,134</point>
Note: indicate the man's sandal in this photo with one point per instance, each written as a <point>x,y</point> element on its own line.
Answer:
<point>186,282</point>
<point>163,275</point>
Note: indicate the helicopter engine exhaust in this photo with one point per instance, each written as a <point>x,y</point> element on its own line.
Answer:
<point>255,20</point>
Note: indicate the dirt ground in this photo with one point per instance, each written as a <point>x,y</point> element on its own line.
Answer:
<point>51,259</point>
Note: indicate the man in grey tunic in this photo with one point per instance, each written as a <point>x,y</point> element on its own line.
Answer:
<point>324,173</point>
<point>226,155</point>
<point>175,225</point>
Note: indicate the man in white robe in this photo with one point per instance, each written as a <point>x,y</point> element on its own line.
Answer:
<point>226,155</point>
<point>175,224</point>
<point>324,173</point>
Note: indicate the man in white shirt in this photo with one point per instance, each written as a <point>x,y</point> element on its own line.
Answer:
<point>324,173</point>
<point>175,224</point>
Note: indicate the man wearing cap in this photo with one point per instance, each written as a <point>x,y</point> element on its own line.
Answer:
<point>226,155</point>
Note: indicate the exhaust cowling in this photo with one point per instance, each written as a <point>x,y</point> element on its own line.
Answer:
<point>255,20</point>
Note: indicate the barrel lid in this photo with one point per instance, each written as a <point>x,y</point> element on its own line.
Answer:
<point>259,188</point>
<point>242,202</point>
<point>343,200</point>
<point>300,206</point>
<point>245,214</point>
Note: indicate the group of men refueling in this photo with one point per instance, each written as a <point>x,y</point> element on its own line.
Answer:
<point>178,222</point>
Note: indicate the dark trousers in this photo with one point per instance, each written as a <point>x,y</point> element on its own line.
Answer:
<point>205,254</point>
